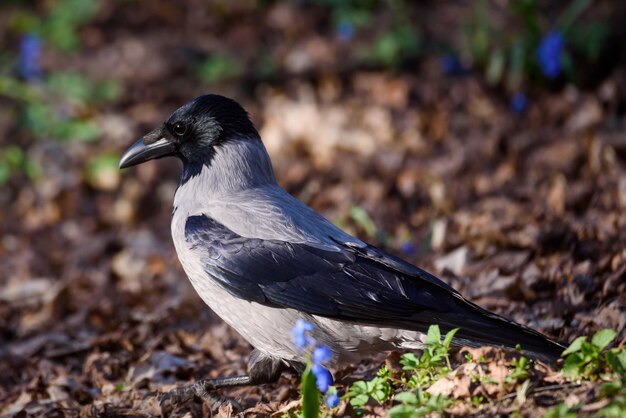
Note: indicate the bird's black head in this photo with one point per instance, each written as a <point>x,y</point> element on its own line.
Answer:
<point>192,132</point>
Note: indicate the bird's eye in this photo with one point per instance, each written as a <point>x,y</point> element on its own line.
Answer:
<point>179,129</point>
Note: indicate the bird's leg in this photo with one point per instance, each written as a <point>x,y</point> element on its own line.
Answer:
<point>261,369</point>
<point>202,390</point>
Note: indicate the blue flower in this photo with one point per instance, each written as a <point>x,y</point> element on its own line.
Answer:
<point>30,55</point>
<point>519,103</point>
<point>332,400</point>
<point>345,30</point>
<point>300,334</point>
<point>323,378</point>
<point>549,54</point>
<point>322,354</point>
<point>408,248</point>
<point>452,65</point>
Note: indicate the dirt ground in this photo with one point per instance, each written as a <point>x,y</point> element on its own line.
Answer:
<point>524,214</point>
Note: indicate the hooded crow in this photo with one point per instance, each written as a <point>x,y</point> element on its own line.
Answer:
<point>261,259</point>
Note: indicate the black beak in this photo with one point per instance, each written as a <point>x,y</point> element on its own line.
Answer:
<point>153,145</point>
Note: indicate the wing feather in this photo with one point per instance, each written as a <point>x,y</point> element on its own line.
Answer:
<point>350,282</point>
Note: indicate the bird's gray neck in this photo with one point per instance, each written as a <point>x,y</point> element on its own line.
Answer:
<point>235,166</point>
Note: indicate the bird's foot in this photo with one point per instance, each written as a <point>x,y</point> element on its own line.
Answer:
<point>199,390</point>
<point>183,394</point>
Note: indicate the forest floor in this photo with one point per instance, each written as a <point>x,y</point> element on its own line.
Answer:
<point>525,214</point>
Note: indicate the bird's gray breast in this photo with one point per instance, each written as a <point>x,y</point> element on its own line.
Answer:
<point>267,329</point>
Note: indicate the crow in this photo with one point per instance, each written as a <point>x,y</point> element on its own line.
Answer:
<point>262,260</point>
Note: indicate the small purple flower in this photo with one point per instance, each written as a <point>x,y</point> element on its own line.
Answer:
<point>29,58</point>
<point>549,53</point>
<point>345,30</point>
<point>332,400</point>
<point>519,103</point>
<point>300,334</point>
<point>323,378</point>
<point>408,248</point>
<point>322,354</point>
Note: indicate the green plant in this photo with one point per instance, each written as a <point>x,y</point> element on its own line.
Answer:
<point>364,221</point>
<point>13,160</point>
<point>379,389</point>
<point>616,391</point>
<point>561,410</point>
<point>588,360</point>
<point>393,44</point>
<point>393,47</point>
<point>355,12</point>
<point>217,68</point>
<point>477,400</point>
<point>58,110</point>
<point>54,106</point>
<point>433,363</point>
<point>418,404</point>
<point>535,50</point>
<point>418,371</point>
<point>60,26</point>
<point>310,394</point>
<point>520,370</point>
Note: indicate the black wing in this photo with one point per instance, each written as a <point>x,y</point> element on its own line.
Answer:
<point>353,283</point>
<point>364,285</point>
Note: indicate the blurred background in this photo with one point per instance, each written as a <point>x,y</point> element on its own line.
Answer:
<point>483,140</point>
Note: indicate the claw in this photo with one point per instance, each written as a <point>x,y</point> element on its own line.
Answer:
<point>200,390</point>
<point>176,396</point>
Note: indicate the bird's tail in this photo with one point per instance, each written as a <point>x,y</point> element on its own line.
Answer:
<point>478,327</point>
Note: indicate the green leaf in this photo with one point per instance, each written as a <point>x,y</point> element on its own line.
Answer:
<point>617,360</point>
<point>78,130</point>
<point>33,170</point>
<point>107,91</point>
<point>517,62</point>
<point>611,388</point>
<point>310,395</point>
<point>403,411</point>
<point>575,346</point>
<point>23,22</point>
<point>362,219</point>
<point>449,336</point>
<point>358,387</point>
<point>589,39</point>
<point>406,397</point>
<point>572,366</point>
<point>568,65</point>
<point>573,10</point>
<point>603,338</point>
<point>478,32</point>
<point>5,172</point>
<point>529,12</point>
<point>359,400</point>
<point>410,361</point>
<point>14,156</point>
<point>434,335</point>
<point>71,85</point>
<point>495,67</point>
<point>560,411</point>
<point>218,68</point>
<point>396,45</point>
<point>379,396</point>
